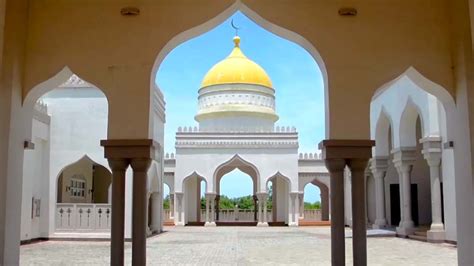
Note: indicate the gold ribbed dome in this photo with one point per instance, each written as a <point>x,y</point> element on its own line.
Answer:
<point>236,68</point>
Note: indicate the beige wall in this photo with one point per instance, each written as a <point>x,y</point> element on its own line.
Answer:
<point>83,168</point>
<point>102,181</point>
<point>117,53</point>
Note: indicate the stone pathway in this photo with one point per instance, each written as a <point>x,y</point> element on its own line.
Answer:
<point>242,246</point>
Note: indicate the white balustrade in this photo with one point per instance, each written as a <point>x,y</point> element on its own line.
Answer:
<point>312,215</point>
<point>83,217</point>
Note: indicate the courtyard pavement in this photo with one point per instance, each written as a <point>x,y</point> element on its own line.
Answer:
<point>241,246</point>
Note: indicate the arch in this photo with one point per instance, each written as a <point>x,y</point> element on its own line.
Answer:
<point>276,175</point>
<point>194,174</point>
<point>269,26</point>
<point>382,132</point>
<point>407,124</point>
<point>236,162</point>
<point>44,87</point>
<point>98,188</point>
<point>422,82</point>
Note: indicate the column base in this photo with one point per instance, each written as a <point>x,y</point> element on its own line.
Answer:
<point>435,236</point>
<point>293,225</point>
<point>210,224</point>
<point>179,224</point>
<point>262,224</point>
<point>405,231</point>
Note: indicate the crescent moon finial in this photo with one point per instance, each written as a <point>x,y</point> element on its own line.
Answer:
<point>235,27</point>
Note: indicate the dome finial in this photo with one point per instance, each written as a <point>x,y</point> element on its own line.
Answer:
<point>236,37</point>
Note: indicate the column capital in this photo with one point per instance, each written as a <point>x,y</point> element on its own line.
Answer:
<point>379,166</point>
<point>140,164</point>
<point>404,156</point>
<point>346,148</point>
<point>262,196</point>
<point>118,164</point>
<point>130,148</point>
<point>359,164</point>
<point>432,150</point>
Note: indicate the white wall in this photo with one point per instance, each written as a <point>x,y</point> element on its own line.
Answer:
<point>35,184</point>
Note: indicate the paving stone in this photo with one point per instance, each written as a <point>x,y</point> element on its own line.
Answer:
<point>242,246</point>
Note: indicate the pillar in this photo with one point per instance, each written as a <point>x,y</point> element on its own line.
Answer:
<point>301,205</point>
<point>293,211</point>
<point>172,210</point>
<point>403,159</point>
<point>139,212</point>
<point>210,199</point>
<point>139,153</point>
<point>336,171</point>
<point>179,210</point>
<point>255,207</point>
<point>324,203</point>
<point>155,212</point>
<point>379,167</point>
<point>432,153</point>
<point>218,199</point>
<point>117,235</point>
<point>359,214</point>
<point>262,209</point>
<point>336,154</point>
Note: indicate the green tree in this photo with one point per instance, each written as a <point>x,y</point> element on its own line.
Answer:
<point>166,202</point>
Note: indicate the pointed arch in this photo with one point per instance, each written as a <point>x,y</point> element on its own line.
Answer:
<point>254,16</point>
<point>43,88</point>
<point>383,134</point>
<point>407,124</point>
<point>236,162</point>
<point>99,188</point>
<point>278,175</point>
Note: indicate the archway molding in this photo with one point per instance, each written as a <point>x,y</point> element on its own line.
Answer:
<point>254,16</point>
<point>236,162</point>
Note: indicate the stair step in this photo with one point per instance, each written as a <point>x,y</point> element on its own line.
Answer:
<point>418,237</point>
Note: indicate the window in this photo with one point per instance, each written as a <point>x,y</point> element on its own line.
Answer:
<point>78,186</point>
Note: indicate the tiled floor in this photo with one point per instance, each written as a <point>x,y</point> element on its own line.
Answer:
<point>242,246</point>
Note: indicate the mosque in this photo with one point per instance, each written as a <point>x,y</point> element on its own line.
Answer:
<point>82,123</point>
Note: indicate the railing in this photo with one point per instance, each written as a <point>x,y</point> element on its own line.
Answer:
<point>83,217</point>
<point>312,215</point>
<point>236,215</point>
<point>167,215</point>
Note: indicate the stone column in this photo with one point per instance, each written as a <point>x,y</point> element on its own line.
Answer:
<point>255,207</point>
<point>117,236</point>
<point>155,212</point>
<point>403,160</point>
<point>210,199</point>
<point>172,210</point>
<point>359,215</point>
<point>356,153</point>
<point>432,154</point>
<point>139,222</point>
<point>301,205</point>
<point>262,209</point>
<point>179,210</point>
<point>324,204</point>
<point>379,167</point>
<point>218,209</point>
<point>139,153</point>
<point>293,219</point>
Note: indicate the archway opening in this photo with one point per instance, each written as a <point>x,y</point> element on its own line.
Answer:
<point>311,203</point>
<point>68,120</point>
<point>194,188</point>
<point>236,198</point>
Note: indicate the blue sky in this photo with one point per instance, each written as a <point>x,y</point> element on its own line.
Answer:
<point>295,75</point>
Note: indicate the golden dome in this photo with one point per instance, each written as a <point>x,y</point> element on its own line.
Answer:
<point>236,68</point>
